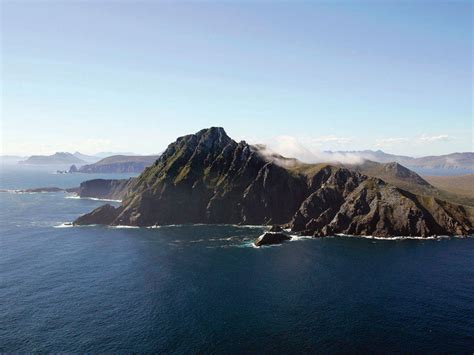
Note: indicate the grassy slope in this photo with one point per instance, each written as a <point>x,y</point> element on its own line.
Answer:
<point>461,184</point>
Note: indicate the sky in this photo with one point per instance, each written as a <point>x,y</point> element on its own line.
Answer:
<point>132,76</point>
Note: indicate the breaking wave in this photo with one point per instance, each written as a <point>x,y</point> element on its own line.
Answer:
<point>77,197</point>
<point>64,225</point>
<point>401,237</point>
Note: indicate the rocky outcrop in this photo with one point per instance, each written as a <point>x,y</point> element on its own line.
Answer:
<point>105,188</point>
<point>270,238</point>
<point>209,178</point>
<point>103,215</point>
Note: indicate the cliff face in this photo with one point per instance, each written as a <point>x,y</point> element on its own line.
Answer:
<point>209,178</point>
<point>105,189</point>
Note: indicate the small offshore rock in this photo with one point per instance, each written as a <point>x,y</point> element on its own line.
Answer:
<point>271,238</point>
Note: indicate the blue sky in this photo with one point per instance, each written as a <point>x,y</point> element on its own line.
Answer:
<point>132,76</point>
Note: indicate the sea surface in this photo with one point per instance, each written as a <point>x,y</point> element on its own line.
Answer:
<point>206,289</point>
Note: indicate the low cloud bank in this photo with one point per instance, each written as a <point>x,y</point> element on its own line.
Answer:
<point>290,147</point>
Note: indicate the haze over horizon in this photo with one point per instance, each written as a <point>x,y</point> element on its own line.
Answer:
<point>117,76</point>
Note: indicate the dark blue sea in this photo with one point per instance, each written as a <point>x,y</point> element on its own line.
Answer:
<point>205,289</point>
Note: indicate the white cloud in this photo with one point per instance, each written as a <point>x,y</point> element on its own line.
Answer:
<point>291,147</point>
<point>439,138</point>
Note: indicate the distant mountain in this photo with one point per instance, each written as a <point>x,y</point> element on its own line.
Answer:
<point>454,161</point>
<point>209,178</point>
<point>118,164</point>
<point>461,163</point>
<point>109,154</point>
<point>10,159</point>
<point>55,159</point>
<point>86,158</point>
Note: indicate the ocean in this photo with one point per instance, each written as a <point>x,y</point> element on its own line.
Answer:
<point>206,289</point>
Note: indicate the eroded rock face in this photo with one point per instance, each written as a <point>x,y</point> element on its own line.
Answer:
<point>209,178</point>
<point>271,238</point>
<point>378,209</point>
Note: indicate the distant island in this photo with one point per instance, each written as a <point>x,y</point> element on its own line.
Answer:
<point>209,178</point>
<point>55,159</point>
<point>117,164</point>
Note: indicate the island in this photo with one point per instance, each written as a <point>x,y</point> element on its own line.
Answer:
<point>59,158</point>
<point>208,177</point>
<point>117,164</point>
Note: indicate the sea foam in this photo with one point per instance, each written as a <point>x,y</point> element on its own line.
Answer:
<point>77,197</point>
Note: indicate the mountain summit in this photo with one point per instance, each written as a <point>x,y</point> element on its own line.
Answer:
<point>209,178</point>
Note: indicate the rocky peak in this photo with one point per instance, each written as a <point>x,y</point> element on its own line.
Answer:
<point>402,172</point>
<point>213,137</point>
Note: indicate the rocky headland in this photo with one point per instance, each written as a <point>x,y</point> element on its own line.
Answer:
<point>117,164</point>
<point>209,178</point>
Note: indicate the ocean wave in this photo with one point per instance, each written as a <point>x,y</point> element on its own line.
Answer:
<point>64,225</point>
<point>263,246</point>
<point>71,225</point>
<point>295,237</point>
<point>231,238</point>
<point>120,226</point>
<point>246,226</point>
<point>156,226</point>
<point>401,237</point>
<point>238,245</point>
<point>77,197</point>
